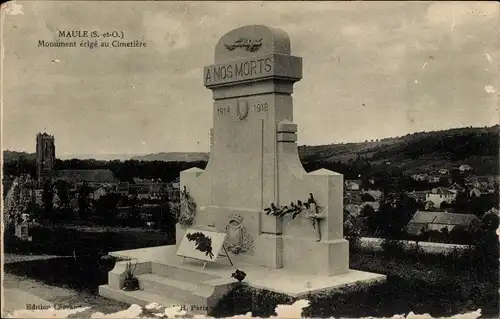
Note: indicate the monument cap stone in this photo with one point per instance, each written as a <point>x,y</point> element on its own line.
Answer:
<point>250,41</point>
<point>252,54</point>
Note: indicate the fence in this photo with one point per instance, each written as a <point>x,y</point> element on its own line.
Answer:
<point>430,247</point>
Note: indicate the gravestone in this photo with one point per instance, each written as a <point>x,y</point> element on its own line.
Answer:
<point>254,162</point>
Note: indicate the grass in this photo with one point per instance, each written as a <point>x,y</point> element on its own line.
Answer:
<point>87,241</point>
<point>420,282</point>
<point>429,285</point>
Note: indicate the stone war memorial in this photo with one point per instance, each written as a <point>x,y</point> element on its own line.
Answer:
<point>254,208</point>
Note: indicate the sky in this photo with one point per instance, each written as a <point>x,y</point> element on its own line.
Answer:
<point>370,70</point>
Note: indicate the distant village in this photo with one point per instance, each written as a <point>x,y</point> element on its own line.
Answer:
<point>91,195</point>
<point>448,199</point>
<point>450,207</point>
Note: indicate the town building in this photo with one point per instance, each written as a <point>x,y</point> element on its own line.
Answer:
<point>439,195</point>
<point>45,157</point>
<point>353,185</point>
<point>93,177</point>
<point>464,168</point>
<point>443,171</point>
<point>474,192</point>
<point>426,221</point>
<point>45,161</point>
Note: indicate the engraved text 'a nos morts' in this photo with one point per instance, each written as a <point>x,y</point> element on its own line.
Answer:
<point>239,70</point>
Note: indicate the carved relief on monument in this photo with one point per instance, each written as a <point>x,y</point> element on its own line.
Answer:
<point>238,239</point>
<point>242,110</point>
<point>250,45</point>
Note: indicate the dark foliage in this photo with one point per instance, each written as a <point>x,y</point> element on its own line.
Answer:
<point>442,285</point>
<point>239,275</point>
<point>448,146</point>
<point>84,191</point>
<point>48,199</point>
<point>123,170</point>
<point>85,242</point>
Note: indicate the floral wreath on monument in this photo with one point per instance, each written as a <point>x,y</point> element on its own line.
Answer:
<point>296,208</point>
<point>188,209</point>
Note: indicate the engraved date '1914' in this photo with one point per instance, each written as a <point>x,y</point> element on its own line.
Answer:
<point>256,108</point>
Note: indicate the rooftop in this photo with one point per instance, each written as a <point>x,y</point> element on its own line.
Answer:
<point>442,191</point>
<point>87,175</point>
<point>423,217</point>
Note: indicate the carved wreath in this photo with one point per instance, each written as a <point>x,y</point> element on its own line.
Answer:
<point>242,114</point>
<point>237,232</point>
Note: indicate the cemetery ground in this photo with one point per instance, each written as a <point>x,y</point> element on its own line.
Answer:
<point>61,296</point>
<point>441,285</point>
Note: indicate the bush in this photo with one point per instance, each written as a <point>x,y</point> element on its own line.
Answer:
<point>243,299</point>
<point>445,296</point>
<point>392,247</point>
<point>352,233</point>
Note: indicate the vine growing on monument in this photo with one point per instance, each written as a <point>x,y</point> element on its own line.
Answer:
<point>297,208</point>
<point>187,210</point>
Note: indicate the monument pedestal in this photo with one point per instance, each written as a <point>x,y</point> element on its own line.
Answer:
<point>164,278</point>
<point>325,258</point>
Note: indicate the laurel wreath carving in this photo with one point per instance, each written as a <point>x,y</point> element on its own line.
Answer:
<point>242,115</point>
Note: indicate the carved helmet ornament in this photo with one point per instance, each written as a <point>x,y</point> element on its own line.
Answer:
<point>250,45</point>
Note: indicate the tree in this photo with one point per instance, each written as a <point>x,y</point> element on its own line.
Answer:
<point>445,206</point>
<point>372,220</point>
<point>365,197</point>
<point>461,203</point>
<point>106,206</point>
<point>48,199</point>
<point>404,209</point>
<point>486,247</point>
<point>20,199</point>
<point>351,230</point>
<point>444,181</point>
<point>62,187</point>
<point>384,220</point>
<point>84,200</point>
<point>367,211</point>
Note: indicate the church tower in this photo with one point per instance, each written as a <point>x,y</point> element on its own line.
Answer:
<point>45,156</point>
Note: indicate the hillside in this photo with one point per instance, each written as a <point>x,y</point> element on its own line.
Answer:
<point>11,156</point>
<point>173,157</point>
<point>477,147</point>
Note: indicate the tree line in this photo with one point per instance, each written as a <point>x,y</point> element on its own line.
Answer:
<point>124,171</point>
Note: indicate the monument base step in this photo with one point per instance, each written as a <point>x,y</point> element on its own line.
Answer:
<point>143,298</point>
<point>165,263</point>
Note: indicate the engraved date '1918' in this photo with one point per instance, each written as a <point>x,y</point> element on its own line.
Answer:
<point>256,108</point>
